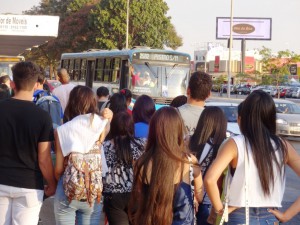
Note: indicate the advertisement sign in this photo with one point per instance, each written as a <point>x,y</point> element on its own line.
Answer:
<point>249,64</point>
<point>24,25</point>
<point>217,63</point>
<point>244,28</point>
<point>293,69</point>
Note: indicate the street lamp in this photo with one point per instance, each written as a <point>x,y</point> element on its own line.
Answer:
<point>230,48</point>
<point>127,24</point>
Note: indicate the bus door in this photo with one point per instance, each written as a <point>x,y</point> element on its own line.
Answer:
<point>90,73</point>
<point>124,79</point>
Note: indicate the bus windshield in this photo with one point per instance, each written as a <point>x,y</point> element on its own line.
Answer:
<point>166,81</point>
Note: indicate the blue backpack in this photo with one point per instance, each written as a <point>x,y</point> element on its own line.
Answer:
<point>51,104</point>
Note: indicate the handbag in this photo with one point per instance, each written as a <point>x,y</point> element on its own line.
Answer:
<point>227,188</point>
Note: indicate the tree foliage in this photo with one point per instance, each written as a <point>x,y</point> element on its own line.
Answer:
<point>86,24</point>
<point>277,66</point>
<point>148,24</point>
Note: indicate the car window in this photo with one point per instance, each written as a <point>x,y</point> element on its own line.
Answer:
<point>287,108</point>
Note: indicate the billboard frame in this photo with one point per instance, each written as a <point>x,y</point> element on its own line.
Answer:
<point>245,38</point>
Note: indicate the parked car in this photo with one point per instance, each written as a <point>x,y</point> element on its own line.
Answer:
<point>230,110</point>
<point>243,90</point>
<point>289,92</point>
<point>288,118</point>
<point>296,93</point>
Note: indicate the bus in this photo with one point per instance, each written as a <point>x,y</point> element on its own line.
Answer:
<point>161,74</point>
<point>7,62</point>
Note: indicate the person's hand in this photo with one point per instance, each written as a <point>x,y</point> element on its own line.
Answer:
<point>196,205</point>
<point>49,190</point>
<point>279,215</point>
<point>107,114</point>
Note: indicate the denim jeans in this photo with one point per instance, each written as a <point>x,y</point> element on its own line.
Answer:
<point>258,216</point>
<point>66,212</point>
<point>202,214</point>
<point>19,205</point>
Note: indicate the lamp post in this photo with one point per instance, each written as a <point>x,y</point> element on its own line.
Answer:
<point>230,48</point>
<point>127,24</point>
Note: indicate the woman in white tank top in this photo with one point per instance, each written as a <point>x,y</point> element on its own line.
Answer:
<point>267,156</point>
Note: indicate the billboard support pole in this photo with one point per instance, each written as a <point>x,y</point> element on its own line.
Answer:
<point>243,52</point>
<point>230,48</point>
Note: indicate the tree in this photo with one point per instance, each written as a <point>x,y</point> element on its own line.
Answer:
<point>276,66</point>
<point>148,24</point>
<point>75,32</point>
<point>86,24</point>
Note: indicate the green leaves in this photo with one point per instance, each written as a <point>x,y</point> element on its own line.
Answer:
<point>86,24</point>
<point>276,66</point>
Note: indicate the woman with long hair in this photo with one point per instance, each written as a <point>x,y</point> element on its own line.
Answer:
<point>80,133</point>
<point>121,150</point>
<point>204,143</point>
<point>258,152</point>
<point>162,193</point>
<point>142,111</point>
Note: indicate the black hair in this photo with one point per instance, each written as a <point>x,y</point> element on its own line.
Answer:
<point>179,101</point>
<point>143,109</point>
<point>102,91</point>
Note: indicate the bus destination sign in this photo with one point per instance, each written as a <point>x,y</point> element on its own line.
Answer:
<point>161,57</point>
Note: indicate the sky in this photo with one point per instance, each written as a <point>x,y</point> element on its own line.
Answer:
<point>195,20</point>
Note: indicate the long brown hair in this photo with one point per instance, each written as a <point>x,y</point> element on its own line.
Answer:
<point>164,152</point>
<point>258,125</point>
<point>82,100</point>
<point>211,126</point>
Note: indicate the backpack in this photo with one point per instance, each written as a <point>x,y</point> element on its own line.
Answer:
<point>82,178</point>
<point>49,103</point>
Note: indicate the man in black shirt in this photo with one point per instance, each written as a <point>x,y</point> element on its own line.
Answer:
<point>25,137</point>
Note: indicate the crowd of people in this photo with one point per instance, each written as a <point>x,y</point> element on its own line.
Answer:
<point>147,166</point>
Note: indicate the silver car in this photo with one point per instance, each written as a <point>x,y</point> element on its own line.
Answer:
<point>288,118</point>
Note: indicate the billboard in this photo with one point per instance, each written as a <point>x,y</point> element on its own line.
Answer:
<point>244,28</point>
<point>25,25</point>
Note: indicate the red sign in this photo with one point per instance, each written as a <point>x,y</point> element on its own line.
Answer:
<point>217,63</point>
<point>249,64</point>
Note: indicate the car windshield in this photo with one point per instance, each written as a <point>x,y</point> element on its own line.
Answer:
<point>287,108</point>
<point>230,113</point>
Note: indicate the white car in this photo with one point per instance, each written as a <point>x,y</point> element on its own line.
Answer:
<point>230,110</point>
<point>288,118</point>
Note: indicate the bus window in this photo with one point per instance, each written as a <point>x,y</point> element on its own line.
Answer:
<point>99,70</point>
<point>116,70</point>
<point>71,69</point>
<point>77,70</point>
<point>83,70</point>
<point>65,64</point>
<point>107,70</point>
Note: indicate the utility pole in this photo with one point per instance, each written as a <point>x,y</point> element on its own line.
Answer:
<point>230,48</point>
<point>127,24</point>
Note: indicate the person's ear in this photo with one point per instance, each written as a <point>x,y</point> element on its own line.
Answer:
<point>12,85</point>
<point>35,87</point>
<point>188,92</point>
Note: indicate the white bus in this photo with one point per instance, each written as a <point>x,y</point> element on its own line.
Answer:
<point>161,74</point>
